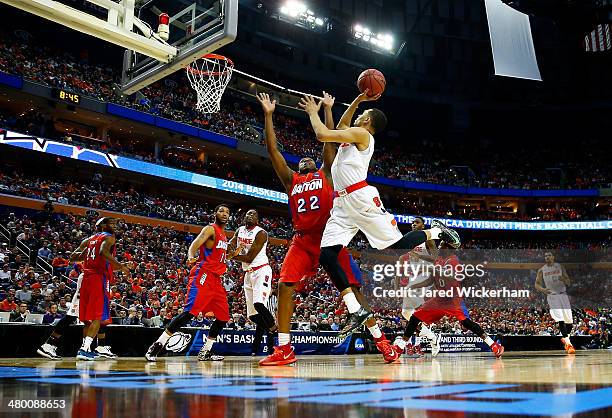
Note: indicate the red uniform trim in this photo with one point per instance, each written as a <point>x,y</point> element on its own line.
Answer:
<point>350,189</point>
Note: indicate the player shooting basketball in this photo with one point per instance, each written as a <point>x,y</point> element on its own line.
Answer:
<point>357,205</point>
<point>310,200</point>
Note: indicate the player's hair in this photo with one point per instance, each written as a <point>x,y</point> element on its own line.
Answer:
<point>378,120</point>
<point>420,217</point>
<point>104,221</point>
<point>222,205</point>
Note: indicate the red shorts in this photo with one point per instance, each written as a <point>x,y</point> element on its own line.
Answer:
<point>93,298</point>
<point>302,260</point>
<point>205,293</point>
<point>434,309</point>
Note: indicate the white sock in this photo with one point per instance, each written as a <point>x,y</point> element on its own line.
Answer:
<point>427,332</point>
<point>87,344</point>
<point>284,338</point>
<point>375,330</point>
<point>209,343</point>
<point>566,340</point>
<point>489,341</point>
<point>435,232</point>
<point>351,302</point>
<point>400,342</point>
<point>163,339</point>
<point>417,340</point>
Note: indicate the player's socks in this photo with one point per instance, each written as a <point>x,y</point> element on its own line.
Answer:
<point>351,302</point>
<point>53,340</point>
<point>376,332</point>
<point>163,338</point>
<point>284,339</point>
<point>489,341</point>
<point>401,343</point>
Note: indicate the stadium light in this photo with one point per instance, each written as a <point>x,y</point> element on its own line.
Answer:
<point>300,15</point>
<point>379,42</point>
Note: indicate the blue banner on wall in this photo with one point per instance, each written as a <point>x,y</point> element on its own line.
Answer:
<point>98,157</point>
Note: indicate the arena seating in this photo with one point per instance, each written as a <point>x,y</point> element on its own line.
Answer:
<point>429,160</point>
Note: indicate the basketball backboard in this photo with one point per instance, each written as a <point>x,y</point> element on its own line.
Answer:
<point>196,28</point>
<point>192,28</point>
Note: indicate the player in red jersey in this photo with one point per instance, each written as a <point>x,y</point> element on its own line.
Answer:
<point>310,194</point>
<point>98,255</point>
<point>445,279</point>
<point>205,293</point>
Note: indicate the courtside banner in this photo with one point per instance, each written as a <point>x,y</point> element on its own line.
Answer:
<point>117,161</point>
<point>236,343</point>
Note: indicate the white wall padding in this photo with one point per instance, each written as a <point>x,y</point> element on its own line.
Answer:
<point>511,42</point>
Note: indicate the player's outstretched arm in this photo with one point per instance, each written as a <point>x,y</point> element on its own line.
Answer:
<point>354,135</point>
<point>424,283</point>
<point>105,252</point>
<point>205,234</point>
<point>284,173</point>
<point>79,253</point>
<point>260,239</point>
<point>330,149</point>
<point>347,117</point>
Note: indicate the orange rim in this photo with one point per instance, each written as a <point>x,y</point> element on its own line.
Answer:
<point>230,65</point>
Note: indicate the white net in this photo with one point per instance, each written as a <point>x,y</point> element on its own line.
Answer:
<point>209,76</point>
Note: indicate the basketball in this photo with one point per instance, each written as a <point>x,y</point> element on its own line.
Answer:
<point>373,81</point>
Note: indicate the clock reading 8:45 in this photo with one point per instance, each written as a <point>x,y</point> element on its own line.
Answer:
<point>67,96</point>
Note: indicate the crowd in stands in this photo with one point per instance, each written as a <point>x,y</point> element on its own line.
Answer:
<point>155,291</point>
<point>427,160</point>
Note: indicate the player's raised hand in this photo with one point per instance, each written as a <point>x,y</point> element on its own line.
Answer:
<point>267,105</point>
<point>328,100</point>
<point>309,104</point>
<point>363,97</point>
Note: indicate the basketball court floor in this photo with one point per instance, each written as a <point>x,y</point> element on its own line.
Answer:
<point>472,384</point>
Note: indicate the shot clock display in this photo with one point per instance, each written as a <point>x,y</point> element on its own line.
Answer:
<point>67,96</point>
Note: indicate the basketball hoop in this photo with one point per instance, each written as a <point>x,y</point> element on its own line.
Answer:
<point>209,77</point>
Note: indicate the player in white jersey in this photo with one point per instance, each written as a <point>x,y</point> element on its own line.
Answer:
<point>258,274</point>
<point>552,280</point>
<point>357,205</point>
<point>422,256</point>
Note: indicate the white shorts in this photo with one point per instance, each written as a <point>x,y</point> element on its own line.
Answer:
<point>74,305</point>
<point>560,308</point>
<point>362,211</point>
<point>413,302</point>
<point>257,287</point>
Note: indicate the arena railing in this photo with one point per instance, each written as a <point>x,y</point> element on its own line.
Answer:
<point>44,265</point>
<point>24,249</point>
<point>5,235</point>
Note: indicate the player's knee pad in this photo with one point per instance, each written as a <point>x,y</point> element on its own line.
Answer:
<point>179,322</point>
<point>410,240</point>
<point>413,323</point>
<point>266,318</point>
<point>329,260</point>
<point>216,328</point>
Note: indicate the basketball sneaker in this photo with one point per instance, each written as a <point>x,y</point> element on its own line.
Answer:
<point>48,351</point>
<point>357,320</point>
<point>283,354</point>
<point>389,352</point>
<point>497,349</point>
<point>209,356</point>
<point>105,351</point>
<point>569,348</point>
<point>86,355</point>
<point>418,350</point>
<point>447,235</point>
<point>153,351</point>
